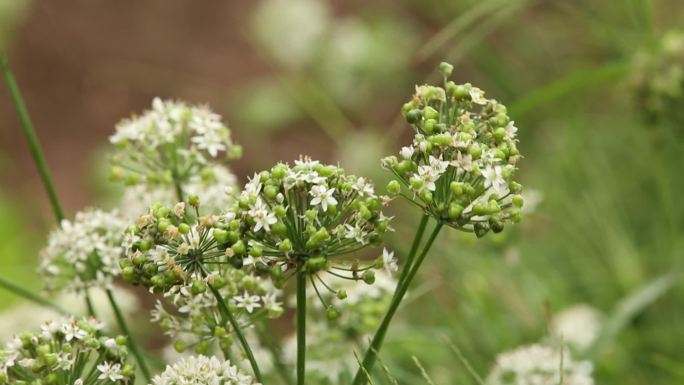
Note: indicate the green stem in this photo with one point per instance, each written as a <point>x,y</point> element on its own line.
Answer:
<point>129,338</point>
<point>226,315</point>
<point>89,305</point>
<point>414,248</point>
<point>34,143</point>
<point>31,136</point>
<point>35,298</point>
<point>374,349</point>
<point>301,327</point>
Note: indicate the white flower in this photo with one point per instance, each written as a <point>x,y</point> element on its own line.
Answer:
<point>247,301</point>
<point>389,261</point>
<point>406,152</point>
<point>578,326</point>
<point>263,217</point>
<point>202,370</point>
<point>463,162</point>
<point>323,196</point>
<point>494,179</point>
<point>539,365</point>
<point>109,371</point>
<point>84,252</point>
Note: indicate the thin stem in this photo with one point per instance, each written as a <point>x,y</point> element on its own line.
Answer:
<point>301,327</point>
<point>35,298</point>
<point>414,248</point>
<point>131,342</point>
<point>374,349</point>
<point>226,315</point>
<point>31,136</point>
<point>89,305</point>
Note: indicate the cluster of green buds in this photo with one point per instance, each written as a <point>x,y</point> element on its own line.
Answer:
<point>461,164</point>
<point>181,254</point>
<point>658,79</point>
<point>83,252</point>
<point>309,217</point>
<point>169,144</point>
<point>70,352</point>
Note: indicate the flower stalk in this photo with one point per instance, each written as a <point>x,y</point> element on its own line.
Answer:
<point>31,137</point>
<point>130,341</point>
<point>301,327</point>
<point>226,315</point>
<point>402,287</point>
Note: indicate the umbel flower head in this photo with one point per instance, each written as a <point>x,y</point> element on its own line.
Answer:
<point>539,365</point>
<point>658,78</point>
<point>84,252</point>
<point>215,184</point>
<point>178,253</point>
<point>203,370</point>
<point>169,143</point>
<point>309,217</point>
<point>67,352</point>
<point>461,164</point>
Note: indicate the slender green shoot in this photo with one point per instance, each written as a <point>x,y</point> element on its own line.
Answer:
<point>301,327</point>
<point>129,338</point>
<point>374,349</point>
<point>31,136</point>
<point>227,316</point>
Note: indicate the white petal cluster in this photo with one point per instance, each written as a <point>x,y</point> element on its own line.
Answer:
<point>84,252</point>
<point>539,365</point>
<point>578,326</point>
<point>169,143</point>
<point>203,370</point>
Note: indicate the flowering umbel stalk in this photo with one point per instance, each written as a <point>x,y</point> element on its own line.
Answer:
<point>458,170</point>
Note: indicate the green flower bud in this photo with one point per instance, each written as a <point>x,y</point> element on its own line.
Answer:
<point>430,113</point>
<point>221,236</point>
<point>517,200</point>
<point>369,277</point>
<point>446,69</point>
<point>393,188</point>
<point>194,201</point>
<point>331,313</point>
<point>183,228</point>
<point>180,346</point>
<point>341,294</point>
<point>238,248</point>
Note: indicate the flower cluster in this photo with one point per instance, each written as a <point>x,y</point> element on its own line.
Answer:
<point>84,252</point>
<point>307,217</point>
<point>70,352</point>
<point>181,255</point>
<point>658,78</point>
<point>203,370</point>
<point>461,163</point>
<point>215,184</point>
<point>539,365</point>
<point>579,326</point>
<point>169,143</point>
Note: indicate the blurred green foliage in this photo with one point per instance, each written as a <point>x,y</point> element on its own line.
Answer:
<point>609,226</point>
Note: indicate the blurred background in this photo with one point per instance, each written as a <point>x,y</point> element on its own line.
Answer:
<point>595,86</point>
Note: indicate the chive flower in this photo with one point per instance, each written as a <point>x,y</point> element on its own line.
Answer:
<point>83,253</point>
<point>169,143</point>
<point>461,164</point>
